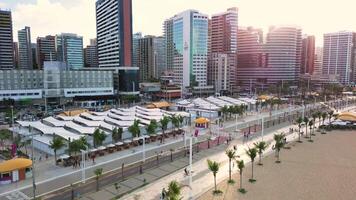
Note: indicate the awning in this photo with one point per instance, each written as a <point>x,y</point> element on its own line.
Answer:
<point>347,116</point>
<point>15,164</point>
<point>201,120</point>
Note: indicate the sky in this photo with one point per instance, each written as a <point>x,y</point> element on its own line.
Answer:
<point>50,17</point>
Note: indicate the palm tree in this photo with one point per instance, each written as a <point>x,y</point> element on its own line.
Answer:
<point>98,137</point>
<point>252,153</point>
<point>174,190</point>
<point>56,144</point>
<point>151,128</point>
<point>241,166</point>
<point>117,134</point>
<point>299,122</point>
<point>314,116</point>
<point>306,120</point>
<point>279,144</point>
<point>231,155</point>
<point>98,173</point>
<point>164,124</point>
<point>311,125</point>
<point>175,121</point>
<point>261,147</point>
<point>224,111</point>
<point>324,115</point>
<point>181,120</point>
<point>134,129</point>
<point>214,168</point>
<point>319,116</point>
<point>330,113</point>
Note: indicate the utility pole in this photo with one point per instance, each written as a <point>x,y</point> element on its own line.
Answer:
<point>190,167</point>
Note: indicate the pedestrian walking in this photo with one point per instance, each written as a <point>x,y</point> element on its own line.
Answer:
<point>46,156</point>
<point>164,192</point>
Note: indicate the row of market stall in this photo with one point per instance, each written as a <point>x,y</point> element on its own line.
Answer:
<point>74,127</point>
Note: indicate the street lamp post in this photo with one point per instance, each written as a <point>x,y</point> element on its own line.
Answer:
<point>190,167</point>
<point>33,165</point>
<point>12,116</point>
<point>262,129</point>
<point>84,164</point>
<point>144,150</point>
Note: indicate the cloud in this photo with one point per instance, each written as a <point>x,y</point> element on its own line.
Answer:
<point>49,17</point>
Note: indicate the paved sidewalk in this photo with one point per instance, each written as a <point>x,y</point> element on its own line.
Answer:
<point>202,177</point>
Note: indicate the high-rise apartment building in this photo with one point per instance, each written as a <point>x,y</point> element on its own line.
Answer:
<point>34,56</point>
<point>222,44</point>
<point>318,61</point>
<point>190,42</point>
<point>251,58</point>
<point>91,54</point>
<point>16,55</point>
<point>338,53</point>
<point>276,61</point>
<point>150,57</point>
<point>70,50</point>
<point>283,47</point>
<point>25,48</point>
<point>135,39</point>
<point>160,56</point>
<point>6,40</point>
<point>46,50</point>
<point>308,55</point>
<point>169,45</point>
<point>114,32</point>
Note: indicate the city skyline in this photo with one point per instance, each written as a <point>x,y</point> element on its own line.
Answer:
<point>64,16</point>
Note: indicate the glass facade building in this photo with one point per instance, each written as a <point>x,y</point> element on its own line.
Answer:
<point>190,39</point>
<point>70,50</point>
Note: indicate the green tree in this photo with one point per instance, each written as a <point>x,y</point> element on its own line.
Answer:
<point>117,134</point>
<point>224,110</point>
<point>306,120</point>
<point>98,137</point>
<point>164,124</point>
<point>175,121</point>
<point>241,166</point>
<point>319,114</point>
<point>323,116</point>
<point>311,126</point>
<point>279,144</point>
<point>299,122</point>
<point>330,113</point>
<point>261,147</point>
<point>214,168</point>
<point>151,128</point>
<point>252,153</point>
<point>98,173</point>
<point>174,190</point>
<point>56,144</point>
<point>231,154</point>
<point>134,129</point>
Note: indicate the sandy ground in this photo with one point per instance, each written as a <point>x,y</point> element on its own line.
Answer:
<point>322,170</point>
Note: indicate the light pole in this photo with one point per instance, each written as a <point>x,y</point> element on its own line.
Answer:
<point>33,165</point>
<point>262,130</point>
<point>143,149</point>
<point>190,167</point>
<point>303,109</point>
<point>12,116</point>
<point>83,161</point>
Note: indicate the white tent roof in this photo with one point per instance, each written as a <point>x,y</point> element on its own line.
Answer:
<point>93,117</point>
<point>183,102</point>
<point>79,128</point>
<point>87,122</point>
<point>49,130</point>
<point>232,100</point>
<point>66,118</point>
<point>121,117</point>
<point>219,102</point>
<point>201,103</point>
<point>54,121</point>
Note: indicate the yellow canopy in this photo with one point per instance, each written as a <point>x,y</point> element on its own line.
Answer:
<point>347,116</point>
<point>15,164</point>
<point>74,112</point>
<point>264,97</point>
<point>201,120</point>
<point>161,104</point>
